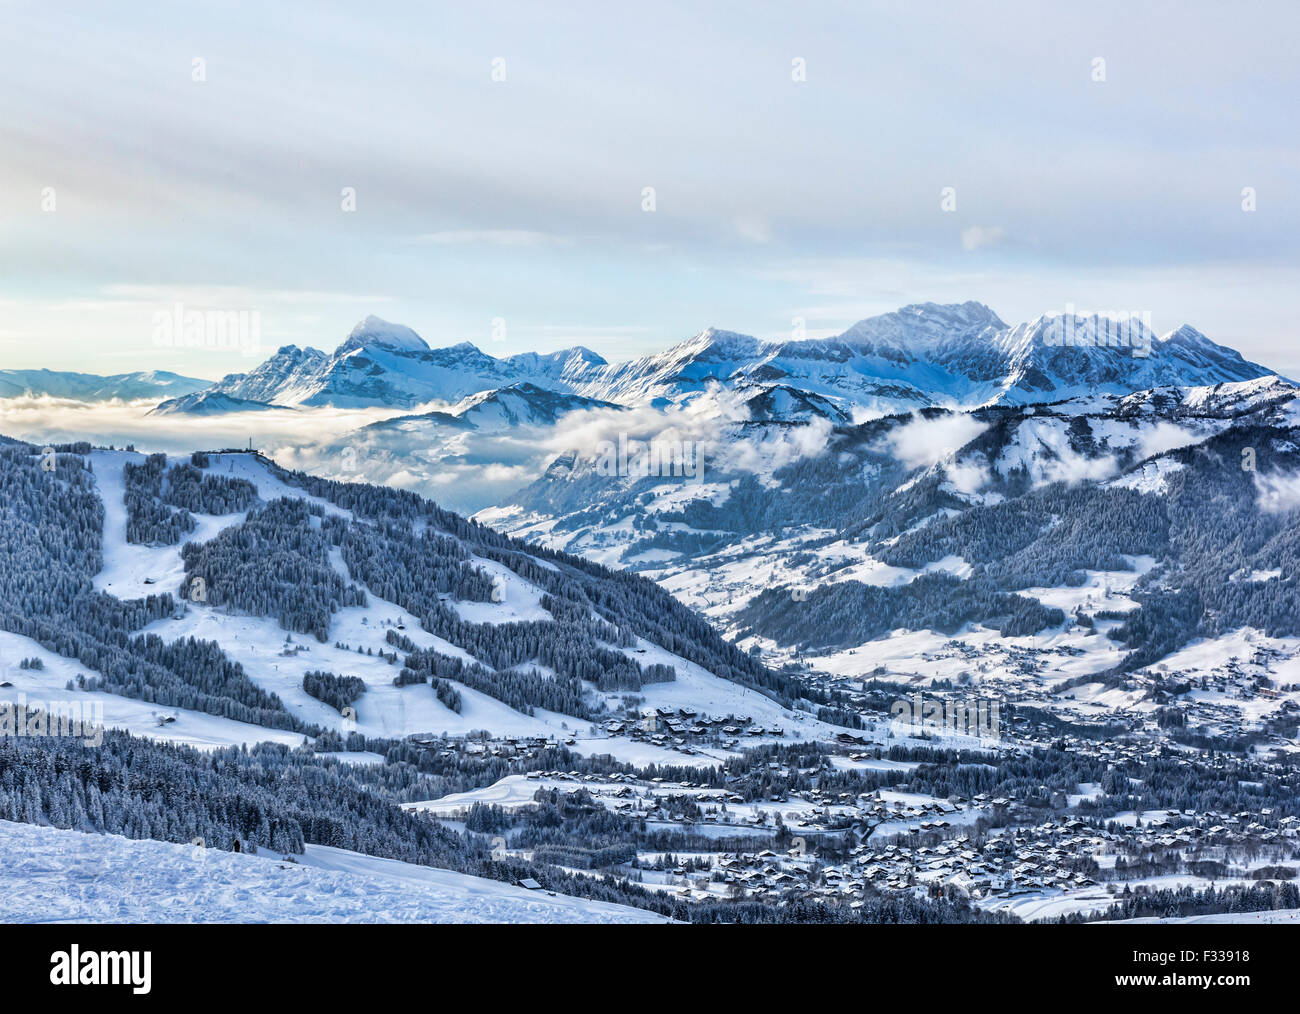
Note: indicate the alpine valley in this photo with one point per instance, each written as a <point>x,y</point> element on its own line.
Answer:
<point>942,619</point>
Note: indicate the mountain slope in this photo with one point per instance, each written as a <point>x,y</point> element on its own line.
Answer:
<point>89,387</point>
<point>930,520</point>
<point>57,874</point>
<point>207,403</point>
<point>523,404</point>
<point>524,636</point>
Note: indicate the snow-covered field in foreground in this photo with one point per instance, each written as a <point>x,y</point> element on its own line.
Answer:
<point>50,875</point>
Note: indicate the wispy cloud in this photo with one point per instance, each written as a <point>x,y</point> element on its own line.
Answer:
<point>977,236</point>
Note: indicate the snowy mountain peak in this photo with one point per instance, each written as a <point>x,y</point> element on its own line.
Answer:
<point>375,331</point>
<point>715,344</point>
<point>1184,333</point>
<point>1187,337</point>
<point>584,354</point>
<point>921,326</point>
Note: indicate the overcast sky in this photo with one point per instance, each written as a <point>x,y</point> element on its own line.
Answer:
<point>220,183</point>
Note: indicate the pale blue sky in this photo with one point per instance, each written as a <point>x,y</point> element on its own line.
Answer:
<point>522,199</point>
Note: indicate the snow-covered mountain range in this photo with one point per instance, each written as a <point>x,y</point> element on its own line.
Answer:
<point>146,384</point>
<point>383,364</point>
<point>841,511</point>
<point>960,355</point>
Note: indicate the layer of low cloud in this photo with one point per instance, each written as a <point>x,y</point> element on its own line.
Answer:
<point>464,469</point>
<point>58,420</point>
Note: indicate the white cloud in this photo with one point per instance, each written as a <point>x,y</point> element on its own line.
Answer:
<point>776,449</point>
<point>1073,468</point>
<point>924,442</point>
<point>465,470</point>
<point>967,476</point>
<point>280,433</point>
<point>1277,493</point>
<point>980,236</point>
<point>1163,437</point>
<point>1042,448</point>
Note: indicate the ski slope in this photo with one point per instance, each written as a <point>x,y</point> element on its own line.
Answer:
<point>53,876</point>
<point>277,661</point>
<point>46,688</point>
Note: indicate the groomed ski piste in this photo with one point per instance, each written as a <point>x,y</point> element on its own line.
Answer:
<point>59,876</point>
